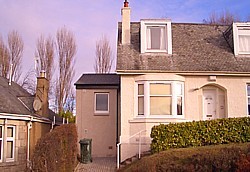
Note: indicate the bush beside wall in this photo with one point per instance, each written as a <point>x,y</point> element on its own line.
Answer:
<point>200,133</point>
<point>57,150</point>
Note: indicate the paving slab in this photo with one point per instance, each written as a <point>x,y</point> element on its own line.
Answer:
<point>98,165</point>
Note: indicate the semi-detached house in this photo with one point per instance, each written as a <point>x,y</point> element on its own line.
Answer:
<point>170,72</point>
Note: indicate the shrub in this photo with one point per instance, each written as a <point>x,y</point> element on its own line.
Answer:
<point>200,133</point>
<point>57,150</point>
<point>227,157</point>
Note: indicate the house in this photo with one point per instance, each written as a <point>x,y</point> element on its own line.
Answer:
<point>24,119</point>
<point>178,72</point>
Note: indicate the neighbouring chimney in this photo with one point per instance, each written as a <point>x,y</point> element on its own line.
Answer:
<point>42,89</point>
<point>126,23</point>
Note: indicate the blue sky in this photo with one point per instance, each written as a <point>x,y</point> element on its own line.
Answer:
<point>90,19</point>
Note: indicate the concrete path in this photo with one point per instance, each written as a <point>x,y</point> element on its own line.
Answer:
<point>98,165</point>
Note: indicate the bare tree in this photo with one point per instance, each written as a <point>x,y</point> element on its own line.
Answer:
<point>103,53</point>
<point>45,61</point>
<point>4,59</point>
<point>224,18</point>
<point>28,82</point>
<point>66,46</point>
<point>15,43</point>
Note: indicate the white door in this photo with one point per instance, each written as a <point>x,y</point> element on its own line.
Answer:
<point>209,104</point>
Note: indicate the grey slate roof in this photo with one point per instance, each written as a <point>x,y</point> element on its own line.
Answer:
<point>16,100</point>
<point>13,97</point>
<point>98,80</point>
<point>196,48</point>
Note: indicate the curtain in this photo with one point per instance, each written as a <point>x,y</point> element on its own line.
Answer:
<point>148,38</point>
<point>244,43</point>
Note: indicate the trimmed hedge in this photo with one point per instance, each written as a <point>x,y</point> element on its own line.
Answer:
<point>57,150</point>
<point>223,158</point>
<point>200,133</point>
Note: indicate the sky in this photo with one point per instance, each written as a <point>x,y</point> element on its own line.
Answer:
<point>89,20</point>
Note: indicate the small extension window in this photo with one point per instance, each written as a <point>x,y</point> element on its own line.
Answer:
<point>102,103</point>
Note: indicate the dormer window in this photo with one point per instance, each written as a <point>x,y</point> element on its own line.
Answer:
<point>156,36</point>
<point>241,33</point>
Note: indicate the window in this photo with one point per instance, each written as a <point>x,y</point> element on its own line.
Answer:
<point>244,40</point>
<point>248,99</point>
<point>101,102</point>
<point>10,143</point>
<point>156,36</point>
<point>241,33</point>
<point>7,138</point>
<point>140,99</point>
<point>160,99</point>
<point>1,143</point>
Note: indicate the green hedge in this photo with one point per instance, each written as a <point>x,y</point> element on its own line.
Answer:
<point>200,133</point>
<point>57,150</point>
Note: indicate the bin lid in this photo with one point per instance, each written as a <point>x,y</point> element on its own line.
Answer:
<point>85,140</point>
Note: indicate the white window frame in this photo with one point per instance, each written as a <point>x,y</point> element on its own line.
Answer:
<point>173,95</point>
<point>99,111</point>
<point>137,102</point>
<point>236,34</point>
<point>1,147</point>
<point>168,35</point>
<point>248,97</point>
<point>11,139</point>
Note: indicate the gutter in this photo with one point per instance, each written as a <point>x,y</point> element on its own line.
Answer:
<point>22,117</point>
<point>217,73</point>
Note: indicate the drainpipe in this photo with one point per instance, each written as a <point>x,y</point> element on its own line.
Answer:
<point>29,126</point>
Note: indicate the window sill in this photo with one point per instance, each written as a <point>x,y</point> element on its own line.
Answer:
<point>8,163</point>
<point>158,119</point>
<point>101,114</point>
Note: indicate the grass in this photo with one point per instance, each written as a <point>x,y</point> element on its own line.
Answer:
<point>226,157</point>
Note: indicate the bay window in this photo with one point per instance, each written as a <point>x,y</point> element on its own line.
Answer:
<point>140,99</point>
<point>248,99</point>
<point>10,143</point>
<point>160,99</point>
<point>1,143</point>
<point>7,143</point>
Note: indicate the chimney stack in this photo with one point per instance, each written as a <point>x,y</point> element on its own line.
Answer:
<point>42,89</point>
<point>126,23</point>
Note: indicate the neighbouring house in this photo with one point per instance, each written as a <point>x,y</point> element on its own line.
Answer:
<point>174,72</point>
<point>24,119</point>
